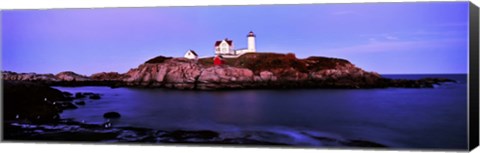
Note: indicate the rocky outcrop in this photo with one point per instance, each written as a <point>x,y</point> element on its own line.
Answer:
<point>33,102</point>
<point>263,70</point>
<point>71,76</point>
<point>224,77</point>
<point>108,76</point>
<point>177,73</point>
<point>187,74</point>
<point>7,75</point>
<point>85,132</point>
<point>62,76</point>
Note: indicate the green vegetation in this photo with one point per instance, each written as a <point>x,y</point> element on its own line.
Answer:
<point>158,59</point>
<point>315,63</point>
<point>258,62</point>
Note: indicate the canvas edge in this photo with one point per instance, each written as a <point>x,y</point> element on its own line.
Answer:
<point>473,77</point>
<point>473,82</point>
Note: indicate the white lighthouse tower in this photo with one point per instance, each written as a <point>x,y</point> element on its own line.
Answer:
<point>251,42</point>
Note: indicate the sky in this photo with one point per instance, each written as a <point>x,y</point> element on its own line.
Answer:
<point>388,38</point>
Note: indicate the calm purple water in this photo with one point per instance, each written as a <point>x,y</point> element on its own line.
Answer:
<point>397,117</point>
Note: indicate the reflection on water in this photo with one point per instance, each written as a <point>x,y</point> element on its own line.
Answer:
<point>412,118</point>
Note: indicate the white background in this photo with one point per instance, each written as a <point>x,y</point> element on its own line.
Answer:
<point>83,148</point>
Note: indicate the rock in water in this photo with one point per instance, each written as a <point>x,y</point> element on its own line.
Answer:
<point>111,115</point>
<point>95,96</point>
<point>79,95</point>
<point>80,102</point>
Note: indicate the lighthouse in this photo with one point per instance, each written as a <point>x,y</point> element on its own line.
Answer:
<point>251,42</point>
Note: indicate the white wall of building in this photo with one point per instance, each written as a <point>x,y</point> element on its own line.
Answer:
<point>225,48</point>
<point>190,55</point>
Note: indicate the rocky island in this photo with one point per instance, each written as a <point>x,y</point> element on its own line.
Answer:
<point>249,71</point>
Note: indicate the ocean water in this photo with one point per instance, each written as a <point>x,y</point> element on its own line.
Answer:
<point>433,118</point>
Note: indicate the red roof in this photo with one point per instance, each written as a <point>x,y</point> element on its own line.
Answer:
<point>229,42</point>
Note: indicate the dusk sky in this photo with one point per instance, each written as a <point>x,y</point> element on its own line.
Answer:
<point>388,38</point>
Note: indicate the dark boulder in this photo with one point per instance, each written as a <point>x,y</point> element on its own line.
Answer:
<point>80,102</point>
<point>95,96</point>
<point>88,93</point>
<point>111,115</point>
<point>79,95</point>
<point>421,83</point>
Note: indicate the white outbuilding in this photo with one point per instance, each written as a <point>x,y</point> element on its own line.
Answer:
<point>190,54</point>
